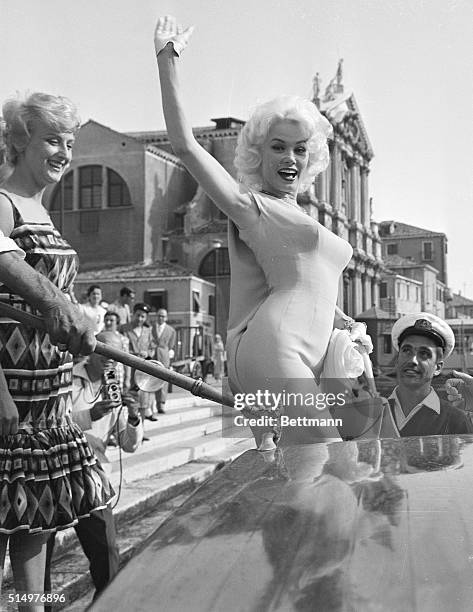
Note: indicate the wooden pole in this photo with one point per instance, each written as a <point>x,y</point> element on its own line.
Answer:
<point>196,387</point>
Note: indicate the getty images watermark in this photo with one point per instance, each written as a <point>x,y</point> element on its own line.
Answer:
<point>260,403</point>
<point>345,405</point>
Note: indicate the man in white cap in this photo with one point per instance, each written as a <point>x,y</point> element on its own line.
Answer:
<point>423,341</point>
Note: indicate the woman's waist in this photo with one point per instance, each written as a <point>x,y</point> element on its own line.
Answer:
<point>30,424</point>
<point>312,296</point>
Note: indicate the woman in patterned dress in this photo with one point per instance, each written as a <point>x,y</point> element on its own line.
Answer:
<point>49,477</point>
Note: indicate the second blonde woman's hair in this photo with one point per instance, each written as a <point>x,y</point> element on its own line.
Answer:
<point>254,132</point>
<point>20,114</point>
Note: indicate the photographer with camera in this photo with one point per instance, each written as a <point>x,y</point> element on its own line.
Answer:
<point>99,408</point>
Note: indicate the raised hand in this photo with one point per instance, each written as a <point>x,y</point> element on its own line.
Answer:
<point>460,390</point>
<point>132,405</point>
<point>102,408</point>
<point>168,31</point>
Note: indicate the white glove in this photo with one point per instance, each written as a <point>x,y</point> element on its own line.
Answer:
<point>167,31</point>
<point>358,334</point>
<point>342,359</point>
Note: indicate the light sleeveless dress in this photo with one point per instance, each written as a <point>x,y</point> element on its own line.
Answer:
<point>49,477</point>
<point>285,272</point>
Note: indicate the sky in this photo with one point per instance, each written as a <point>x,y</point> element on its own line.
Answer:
<point>409,64</point>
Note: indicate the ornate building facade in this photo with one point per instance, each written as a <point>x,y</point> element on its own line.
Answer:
<point>128,200</point>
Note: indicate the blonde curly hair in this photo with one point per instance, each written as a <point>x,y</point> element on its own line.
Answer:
<point>19,115</point>
<point>248,161</point>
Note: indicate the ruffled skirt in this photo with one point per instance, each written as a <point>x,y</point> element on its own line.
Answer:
<point>49,479</point>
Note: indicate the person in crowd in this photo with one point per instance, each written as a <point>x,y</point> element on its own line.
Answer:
<point>423,342</point>
<point>285,265</point>
<point>218,357</point>
<point>164,337</point>
<point>202,351</point>
<point>37,269</point>
<point>111,324</point>
<point>142,345</point>
<point>123,305</point>
<point>93,309</point>
<point>99,411</point>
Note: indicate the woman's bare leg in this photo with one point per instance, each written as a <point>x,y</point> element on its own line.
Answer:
<point>28,560</point>
<point>3,549</point>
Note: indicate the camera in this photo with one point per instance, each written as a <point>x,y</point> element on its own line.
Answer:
<point>111,386</point>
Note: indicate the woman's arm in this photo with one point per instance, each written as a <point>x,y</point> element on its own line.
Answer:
<point>341,320</point>
<point>63,320</point>
<point>8,410</point>
<point>357,329</point>
<point>219,185</point>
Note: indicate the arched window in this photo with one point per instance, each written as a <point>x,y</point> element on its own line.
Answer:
<point>63,194</point>
<point>118,193</point>
<point>215,264</point>
<point>90,187</point>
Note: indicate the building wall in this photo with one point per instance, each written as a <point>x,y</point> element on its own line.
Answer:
<point>459,307</point>
<point>411,247</point>
<point>119,237</point>
<point>403,295</point>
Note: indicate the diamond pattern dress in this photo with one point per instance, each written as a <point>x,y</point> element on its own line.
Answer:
<point>49,477</point>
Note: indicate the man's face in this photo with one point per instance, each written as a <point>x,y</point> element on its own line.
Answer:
<point>418,361</point>
<point>162,316</point>
<point>140,317</point>
<point>129,299</point>
<point>95,297</point>
<point>110,322</point>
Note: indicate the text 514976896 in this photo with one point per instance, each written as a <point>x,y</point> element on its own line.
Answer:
<point>51,599</point>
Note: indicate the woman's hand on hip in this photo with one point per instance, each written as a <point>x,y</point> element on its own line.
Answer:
<point>358,334</point>
<point>168,31</point>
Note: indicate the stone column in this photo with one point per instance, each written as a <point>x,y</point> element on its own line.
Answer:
<point>357,305</point>
<point>336,178</point>
<point>364,195</point>
<point>355,191</point>
<point>322,187</point>
<point>375,290</point>
<point>347,297</point>
<point>367,301</point>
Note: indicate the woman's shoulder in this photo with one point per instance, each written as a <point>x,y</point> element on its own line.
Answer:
<point>8,213</point>
<point>25,209</point>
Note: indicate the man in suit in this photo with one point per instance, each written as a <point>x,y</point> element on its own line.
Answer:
<point>123,305</point>
<point>164,337</point>
<point>423,341</point>
<point>202,351</point>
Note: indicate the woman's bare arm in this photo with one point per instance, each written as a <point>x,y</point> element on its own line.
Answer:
<point>342,320</point>
<point>8,411</point>
<point>219,185</point>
